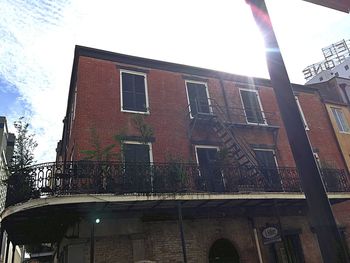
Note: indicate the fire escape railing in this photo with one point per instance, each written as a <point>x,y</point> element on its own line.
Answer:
<point>70,178</point>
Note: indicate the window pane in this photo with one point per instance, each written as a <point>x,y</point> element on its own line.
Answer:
<point>202,98</point>
<point>127,82</point>
<point>343,121</point>
<point>340,119</point>
<point>265,158</point>
<point>252,106</point>
<point>128,101</point>
<point>140,102</point>
<point>139,84</point>
<point>192,98</point>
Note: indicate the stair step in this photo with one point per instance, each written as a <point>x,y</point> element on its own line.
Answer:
<point>222,135</point>
<point>236,152</point>
<point>246,162</point>
<point>218,125</point>
<point>227,141</point>
<point>233,148</point>
<point>240,157</point>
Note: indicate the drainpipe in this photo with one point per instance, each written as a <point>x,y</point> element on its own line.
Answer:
<point>225,99</point>
<point>92,243</point>
<point>183,244</point>
<point>256,238</point>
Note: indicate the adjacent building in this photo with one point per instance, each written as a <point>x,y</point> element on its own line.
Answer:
<point>162,162</point>
<point>7,142</point>
<point>335,94</point>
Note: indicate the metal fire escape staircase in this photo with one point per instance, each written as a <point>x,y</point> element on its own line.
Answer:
<point>238,149</point>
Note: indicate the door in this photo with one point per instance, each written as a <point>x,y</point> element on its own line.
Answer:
<point>223,251</point>
<point>268,167</point>
<point>137,169</point>
<point>209,170</point>
<point>289,250</point>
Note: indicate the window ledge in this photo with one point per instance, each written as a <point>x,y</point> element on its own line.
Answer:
<point>138,112</point>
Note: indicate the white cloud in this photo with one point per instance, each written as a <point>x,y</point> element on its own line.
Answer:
<point>38,38</point>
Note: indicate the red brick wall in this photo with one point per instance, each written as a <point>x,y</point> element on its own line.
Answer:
<point>98,107</point>
<point>162,242</point>
<point>199,236</point>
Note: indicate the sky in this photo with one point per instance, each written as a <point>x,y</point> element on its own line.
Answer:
<point>37,40</point>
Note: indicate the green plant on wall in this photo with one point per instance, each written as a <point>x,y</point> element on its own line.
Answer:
<point>107,153</point>
<point>174,176</point>
<point>146,131</point>
<point>98,152</point>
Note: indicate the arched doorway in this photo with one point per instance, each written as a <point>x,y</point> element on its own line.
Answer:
<point>222,251</point>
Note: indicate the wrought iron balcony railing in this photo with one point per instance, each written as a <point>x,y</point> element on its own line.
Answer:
<point>51,179</point>
<point>235,115</point>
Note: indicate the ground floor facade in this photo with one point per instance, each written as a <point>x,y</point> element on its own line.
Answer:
<point>207,240</point>
<point>201,227</point>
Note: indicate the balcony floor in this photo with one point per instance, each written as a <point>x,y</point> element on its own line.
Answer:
<point>46,219</point>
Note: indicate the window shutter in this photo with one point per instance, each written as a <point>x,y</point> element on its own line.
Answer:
<point>134,92</point>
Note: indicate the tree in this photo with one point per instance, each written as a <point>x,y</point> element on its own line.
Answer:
<point>23,155</point>
<point>19,182</point>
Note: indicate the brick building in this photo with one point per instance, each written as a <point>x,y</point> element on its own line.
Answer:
<point>160,162</point>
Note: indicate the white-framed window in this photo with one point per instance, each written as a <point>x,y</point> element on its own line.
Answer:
<point>340,119</point>
<point>301,113</point>
<point>133,92</point>
<point>266,157</point>
<point>268,167</point>
<point>198,98</point>
<point>252,107</point>
<point>137,152</point>
<point>206,155</point>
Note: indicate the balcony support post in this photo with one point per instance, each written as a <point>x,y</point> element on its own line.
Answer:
<point>92,243</point>
<point>7,249</point>
<point>320,212</point>
<point>183,244</point>
<point>13,253</point>
<point>2,230</point>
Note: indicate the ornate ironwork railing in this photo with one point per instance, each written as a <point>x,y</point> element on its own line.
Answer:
<point>50,179</point>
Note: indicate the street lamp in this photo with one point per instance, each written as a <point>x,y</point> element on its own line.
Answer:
<point>92,239</point>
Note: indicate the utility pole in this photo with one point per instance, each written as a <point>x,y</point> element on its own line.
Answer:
<point>319,209</point>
